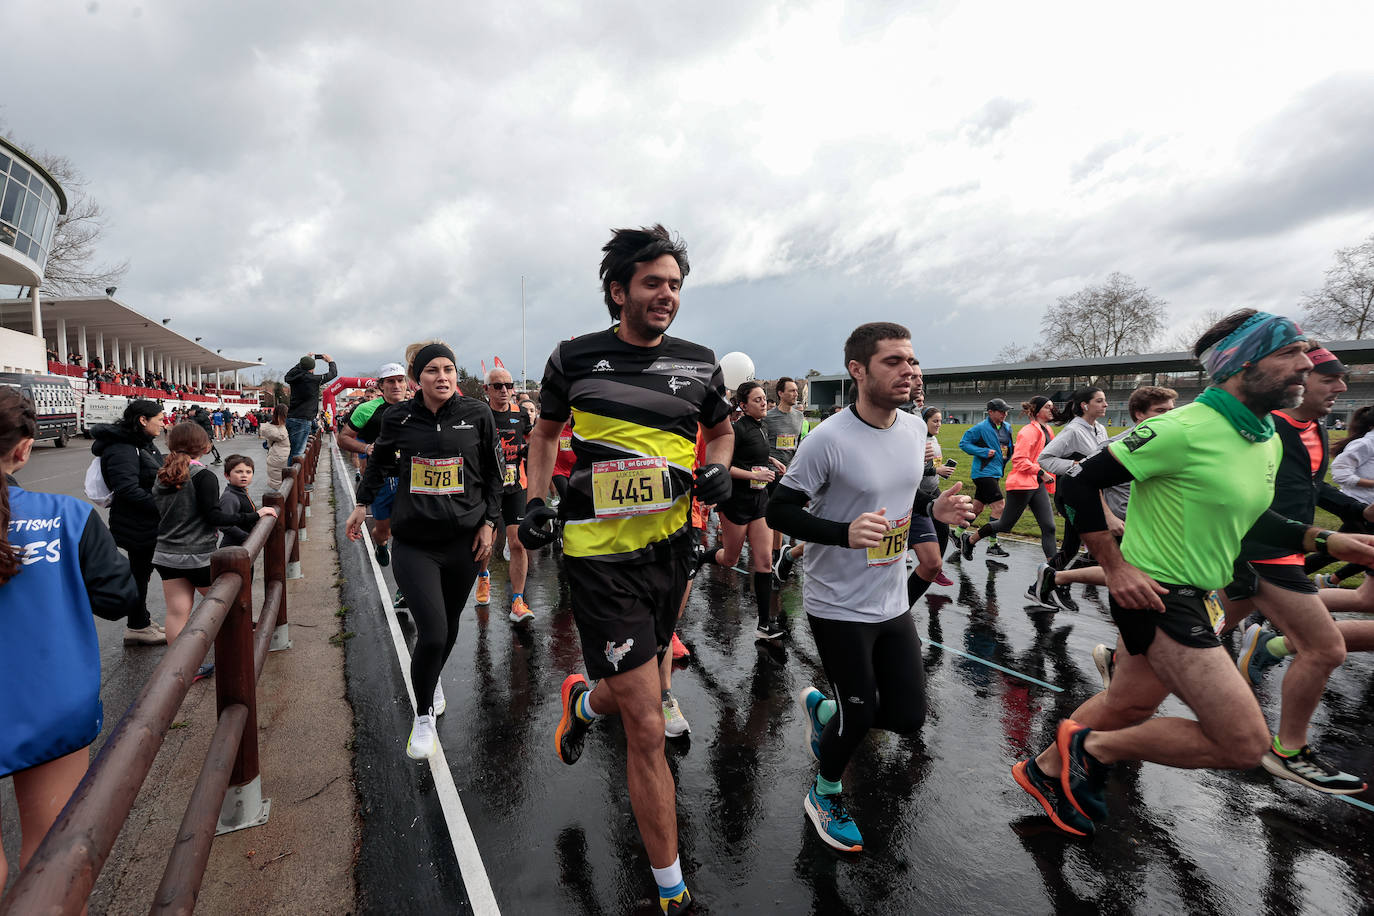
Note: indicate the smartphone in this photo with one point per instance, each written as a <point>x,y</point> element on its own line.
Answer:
<point>951,462</point>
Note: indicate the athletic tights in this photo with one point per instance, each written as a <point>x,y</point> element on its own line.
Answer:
<point>1017,501</point>
<point>436,581</point>
<point>877,678</point>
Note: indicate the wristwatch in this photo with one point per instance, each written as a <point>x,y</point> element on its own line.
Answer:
<point>491,522</point>
<point>1319,542</point>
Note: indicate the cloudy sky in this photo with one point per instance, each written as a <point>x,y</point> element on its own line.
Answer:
<point>352,176</point>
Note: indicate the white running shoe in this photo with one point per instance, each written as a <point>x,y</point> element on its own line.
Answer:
<point>424,740</point>
<point>674,722</point>
<point>440,704</point>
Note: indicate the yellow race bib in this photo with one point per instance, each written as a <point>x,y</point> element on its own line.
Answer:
<point>630,486</point>
<point>787,442</point>
<point>1215,612</point>
<point>565,443</point>
<point>512,470</point>
<point>436,476</point>
<point>757,484</point>
<point>893,545</point>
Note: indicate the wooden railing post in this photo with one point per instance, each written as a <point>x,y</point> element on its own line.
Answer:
<point>274,569</point>
<point>303,496</point>
<point>236,684</point>
<point>293,502</point>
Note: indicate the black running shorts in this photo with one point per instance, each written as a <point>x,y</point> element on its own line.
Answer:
<point>922,531</point>
<point>512,506</point>
<point>1286,576</point>
<point>988,490</point>
<point>1185,620</point>
<point>198,576</point>
<point>625,612</point>
<point>743,508</point>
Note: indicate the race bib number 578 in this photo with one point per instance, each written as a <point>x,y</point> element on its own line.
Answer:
<point>436,476</point>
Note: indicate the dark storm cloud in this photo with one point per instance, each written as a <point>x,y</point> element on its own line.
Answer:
<point>1309,162</point>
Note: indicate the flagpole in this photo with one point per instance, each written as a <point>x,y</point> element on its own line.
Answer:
<point>524,381</point>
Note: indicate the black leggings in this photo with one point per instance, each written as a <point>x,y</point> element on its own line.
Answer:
<point>876,677</point>
<point>141,565</point>
<point>436,582</point>
<point>1017,501</point>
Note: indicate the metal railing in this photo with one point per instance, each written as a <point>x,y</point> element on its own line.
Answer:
<point>228,794</point>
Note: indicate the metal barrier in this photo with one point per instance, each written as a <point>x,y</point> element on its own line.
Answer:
<point>228,794</point>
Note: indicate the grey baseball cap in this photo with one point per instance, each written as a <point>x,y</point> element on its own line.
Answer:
<point>998,404</point>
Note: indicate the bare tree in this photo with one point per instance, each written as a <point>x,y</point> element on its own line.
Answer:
<point>1114,319</point>
<point>72,267</point>
<point>1344,306</point>
<point>1185,337</point>
<point>1017,353</point>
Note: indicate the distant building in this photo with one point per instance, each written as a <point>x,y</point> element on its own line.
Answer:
<point>962,392</point>
<point>31,200</point>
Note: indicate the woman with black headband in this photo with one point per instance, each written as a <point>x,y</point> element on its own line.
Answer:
<point>1026,485</point>
<point>443,449</point>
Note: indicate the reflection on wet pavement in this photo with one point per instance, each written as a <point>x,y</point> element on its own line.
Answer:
<point>946,828</point>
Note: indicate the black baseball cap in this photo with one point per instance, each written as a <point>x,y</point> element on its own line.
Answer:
<point>998,404</point>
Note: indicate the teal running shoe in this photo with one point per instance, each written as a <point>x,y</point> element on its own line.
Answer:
<point>810,699</point>
<point>832,821</point>
<point>1254,653</point>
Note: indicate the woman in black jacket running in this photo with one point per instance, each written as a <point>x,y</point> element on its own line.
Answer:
<point>129,462</point>
<point>443,449</point>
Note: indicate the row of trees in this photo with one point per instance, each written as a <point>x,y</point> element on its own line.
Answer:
<point>1120,317</point>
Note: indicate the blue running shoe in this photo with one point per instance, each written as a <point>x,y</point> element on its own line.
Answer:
<point>1254,653</point>
<point>832,822</point>
<point>1084,777</point>
<point>810,699</point>
<point>1045,791</point>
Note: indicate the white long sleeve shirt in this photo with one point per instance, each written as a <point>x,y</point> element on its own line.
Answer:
<point>1356,460</point>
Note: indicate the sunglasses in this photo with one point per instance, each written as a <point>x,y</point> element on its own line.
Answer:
<point>507,385</point>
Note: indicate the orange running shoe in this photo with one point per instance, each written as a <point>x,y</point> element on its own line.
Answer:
<point>484,588</point>
<point>520,611</point>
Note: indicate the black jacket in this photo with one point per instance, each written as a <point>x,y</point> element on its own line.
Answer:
<point>236,501</point>
<point>1298,492</point>
<point>305,391</point>
<point>463,428</point>
<point>129,461</point>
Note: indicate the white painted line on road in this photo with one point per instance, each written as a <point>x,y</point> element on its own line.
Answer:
<point>465,848</point>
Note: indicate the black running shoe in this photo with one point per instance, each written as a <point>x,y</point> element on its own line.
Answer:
<point>1045,791</point>
<point>965,545</point>
<point>1061,595</point>
<point>1084,777</point>
<point>383,553</point>
<point>1307,769</point>
<point>400,600</point>
<point>783,568</point>
<point>571,729</point>
<point>997,550</point>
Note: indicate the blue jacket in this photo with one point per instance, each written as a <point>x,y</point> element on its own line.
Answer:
<point>976,441</point>
<point>49,652</point>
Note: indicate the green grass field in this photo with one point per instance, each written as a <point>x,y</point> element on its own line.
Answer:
<point>949,442</point>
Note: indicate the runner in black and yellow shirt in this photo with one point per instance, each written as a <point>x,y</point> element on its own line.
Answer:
<point>635,397</point>
<point>512,425</point>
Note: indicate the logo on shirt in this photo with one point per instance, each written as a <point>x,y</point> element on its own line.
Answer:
<point>616,654</point>
<point>464,425</point>
<point>1138,437</point>
<point>603,366</point>
<point>676,384</point>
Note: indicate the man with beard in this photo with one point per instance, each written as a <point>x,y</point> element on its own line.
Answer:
<point>860,473</point>
<point>1202,476</point>
<point>1271,580</point>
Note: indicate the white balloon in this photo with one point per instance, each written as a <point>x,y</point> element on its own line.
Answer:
<point>737,368</point>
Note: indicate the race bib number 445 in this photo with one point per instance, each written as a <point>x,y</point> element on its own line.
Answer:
<point>630,486</point>
<point>436,476</point>
<point>893,545</point>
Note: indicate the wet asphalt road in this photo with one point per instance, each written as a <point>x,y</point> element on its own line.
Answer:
<point>945,827</point>
<point>123,669</point>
